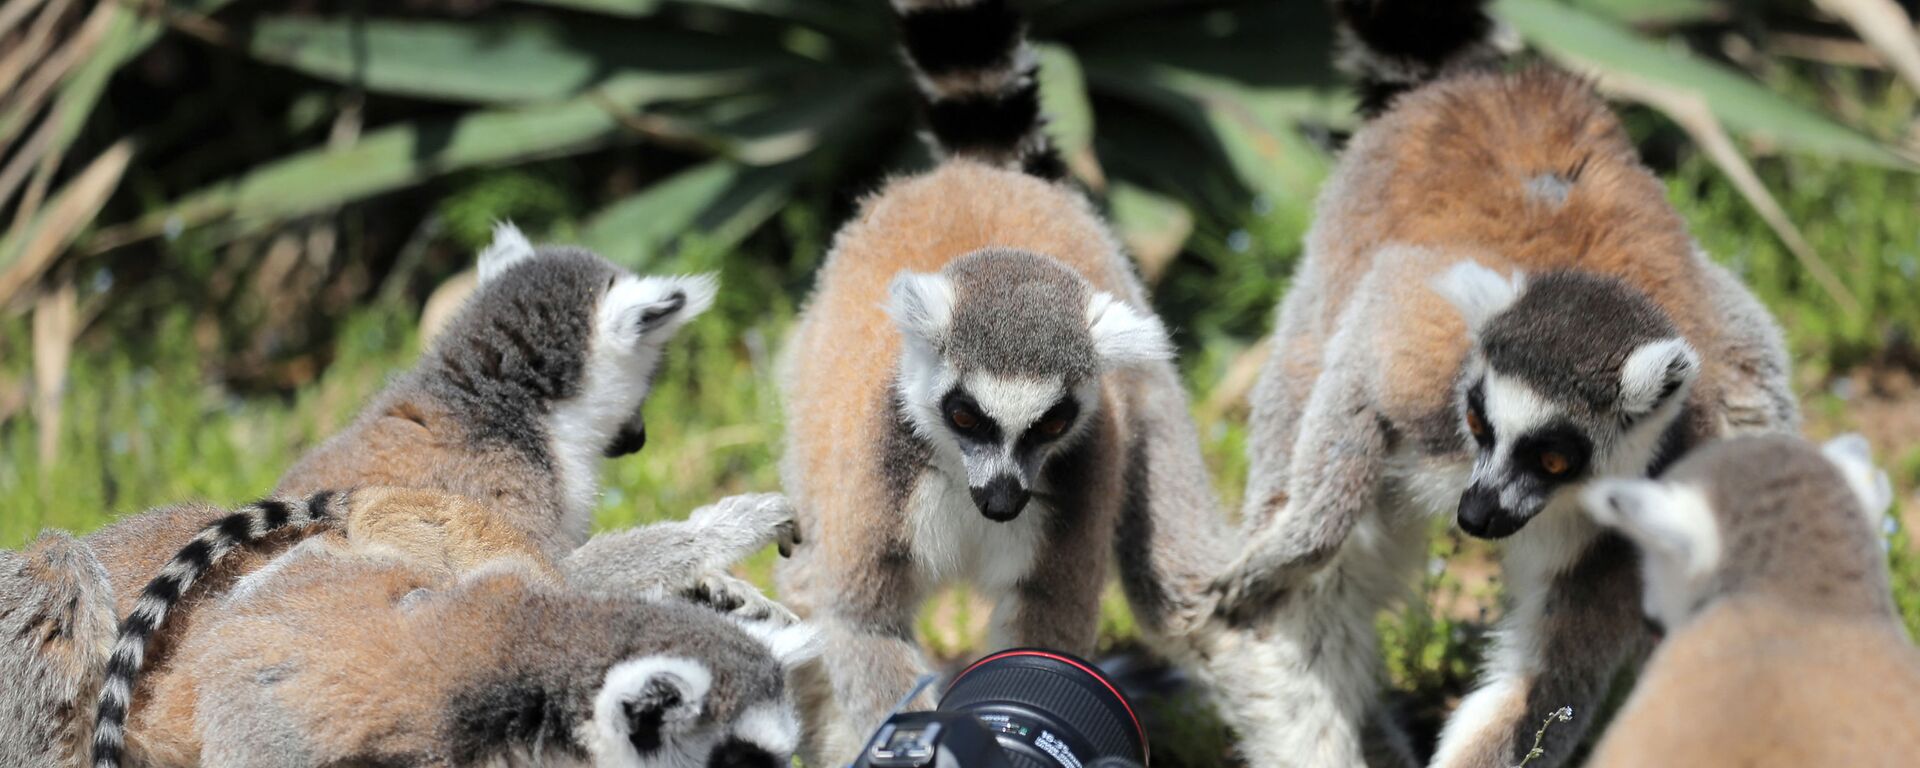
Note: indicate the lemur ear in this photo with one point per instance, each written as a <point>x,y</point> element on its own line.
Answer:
<point>1478,293</point>
<point>791,643</point>
<point>648,699</point>
<point>1123,336</point>
<point>509,248</point>
<point>1655,373</point>
<point>1851,454</point>
<point>921,304</point>
<point>653,308</point>
<point>1671,521</point>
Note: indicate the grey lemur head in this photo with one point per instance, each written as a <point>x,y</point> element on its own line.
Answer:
<point>629,683</point>
<point>1569,377</point>
<point>558,346</point>
<point>1756,515</point>
<point>1001,364</point>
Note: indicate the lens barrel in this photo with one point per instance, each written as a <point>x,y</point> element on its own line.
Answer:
<point>1048,709</point>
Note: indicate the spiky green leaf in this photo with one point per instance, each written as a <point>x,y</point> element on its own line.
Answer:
<point>1587,42</point>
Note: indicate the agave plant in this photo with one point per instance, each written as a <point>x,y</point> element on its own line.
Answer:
<point>1169,109</point>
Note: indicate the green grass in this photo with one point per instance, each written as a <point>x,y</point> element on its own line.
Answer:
<point>146,420</point>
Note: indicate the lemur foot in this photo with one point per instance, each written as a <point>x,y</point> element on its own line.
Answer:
<point>769,516</point>
<point>738,598</point>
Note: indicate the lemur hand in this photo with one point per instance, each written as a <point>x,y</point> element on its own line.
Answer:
<point>739,598</point>
<point>1274,562</point>
<point>751,520</point>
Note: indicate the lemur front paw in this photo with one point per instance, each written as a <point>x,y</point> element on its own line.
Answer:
<point>1262,576</point>
<point>738,598</point>
<point>765,517</point>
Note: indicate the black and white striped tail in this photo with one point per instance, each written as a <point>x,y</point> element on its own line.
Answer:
<point>244,526</point>
<point>1394,46</point>
<point>975,71</point>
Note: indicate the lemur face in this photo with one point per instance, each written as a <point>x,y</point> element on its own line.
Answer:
<point>1005,429</point>
<point>591,332</point>
<point>655,712</point>
<point>1747,513</point>
<point>718,705</point>
<point>1568,378</point>
<point>1001,365</point>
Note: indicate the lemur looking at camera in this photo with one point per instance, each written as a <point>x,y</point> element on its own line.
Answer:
<point>978,392</point>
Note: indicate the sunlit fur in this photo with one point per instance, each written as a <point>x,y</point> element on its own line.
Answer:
<point>359,616</point>
<point>1575,264</point>
<point>1765,563</point>
<point>543,371</point>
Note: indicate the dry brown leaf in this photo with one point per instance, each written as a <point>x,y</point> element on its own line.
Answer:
<point>77,48</point>
<point>443,302</point>
<point>35,195</point>
<point>32,47</point>
<point>55,326</point>
<point>13,11</point>
<point>1235,386</point>
<point>73,208</point>
<point>31,153</point>
<point>1842,52</point>
<point>1693,115</point>
<point>1886,27</point>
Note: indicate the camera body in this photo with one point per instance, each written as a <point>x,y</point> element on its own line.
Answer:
<point>1024,708</point>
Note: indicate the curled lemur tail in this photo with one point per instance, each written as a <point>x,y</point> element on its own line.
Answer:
<point>240,528</point>
<point>1394,46</point>
<point>975,71</point>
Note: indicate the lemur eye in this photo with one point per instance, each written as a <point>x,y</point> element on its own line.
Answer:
<point>1555,462</point>
<point>1053,427</point>
<point>963,419</point>
<point>1476,424</point>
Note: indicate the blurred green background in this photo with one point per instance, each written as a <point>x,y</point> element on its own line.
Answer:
<point>222,220</point>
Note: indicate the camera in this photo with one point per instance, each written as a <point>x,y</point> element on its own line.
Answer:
<point>1024,708</point>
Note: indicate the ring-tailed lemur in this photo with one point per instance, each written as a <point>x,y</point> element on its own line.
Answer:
<point>436,535</point>
<point>1496,305</point>
<point>542,372</point>
<point>340,659</point>
<point>1763,560</point>
<point>240,528</point>
<point>977,392</point>
<point>539,376</point>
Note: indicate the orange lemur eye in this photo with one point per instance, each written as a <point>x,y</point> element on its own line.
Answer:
<point>1053,427</point>
<point>963,419</point>
<point>1555,462</point>
<point>1475,424</point>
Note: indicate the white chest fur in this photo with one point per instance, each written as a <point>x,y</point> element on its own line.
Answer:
<point>952,542</point>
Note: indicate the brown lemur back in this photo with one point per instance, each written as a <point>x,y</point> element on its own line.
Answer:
<point>541,374</point>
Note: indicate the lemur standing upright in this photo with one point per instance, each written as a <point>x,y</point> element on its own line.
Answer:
<point>1496,306</point>
<point>1764,563</point>
<point>977,392</point>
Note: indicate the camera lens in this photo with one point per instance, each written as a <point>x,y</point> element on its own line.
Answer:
<point>1048,709</point>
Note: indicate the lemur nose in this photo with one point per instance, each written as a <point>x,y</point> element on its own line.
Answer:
<point>1481,515</point>
<point>1001,499</point>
